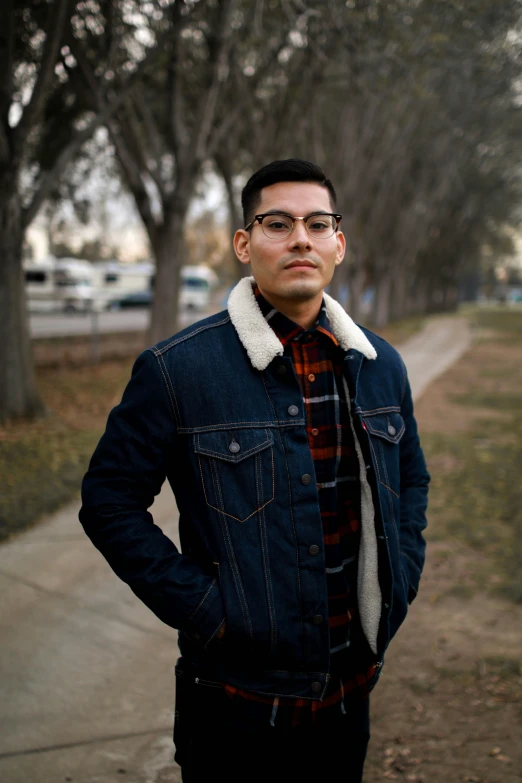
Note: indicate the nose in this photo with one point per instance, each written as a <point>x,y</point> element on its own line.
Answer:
<point>299,238</point>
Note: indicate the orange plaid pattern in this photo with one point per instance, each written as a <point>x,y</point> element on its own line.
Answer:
<point>317,361</point>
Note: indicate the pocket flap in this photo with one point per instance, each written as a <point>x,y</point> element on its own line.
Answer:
<point>389,426</point>
<point>232,445</point>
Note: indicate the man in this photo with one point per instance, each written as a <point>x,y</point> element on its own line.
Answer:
<point>287,434</point>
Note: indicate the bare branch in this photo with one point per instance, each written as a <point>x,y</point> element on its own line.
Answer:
<point>54,35</point>
<point>67,155</point>
<point>176,111</point>
<point>207,108</point>
<point>135,183</point>
<point>7,36</point>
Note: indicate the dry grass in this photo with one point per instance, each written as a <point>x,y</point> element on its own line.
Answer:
<point>42,463</point>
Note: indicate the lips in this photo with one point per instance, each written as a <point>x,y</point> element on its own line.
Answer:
<point>300,262</point>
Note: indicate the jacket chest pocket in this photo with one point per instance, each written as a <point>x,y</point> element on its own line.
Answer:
<point>385,431</point>
<point>237,470</point>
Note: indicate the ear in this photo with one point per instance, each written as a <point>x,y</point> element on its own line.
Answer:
<point>242,246</point>
<point>341,247</point>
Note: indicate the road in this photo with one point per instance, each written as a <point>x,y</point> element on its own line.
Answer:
<point>72,324</point>
<point>87,682</point>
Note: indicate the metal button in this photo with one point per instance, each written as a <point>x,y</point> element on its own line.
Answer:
<point>315,431</point>
<point>317,619</point>
<point>316,687</point>
<point>306,478</point>
<point>293,410</point>
<point>281,369</point>
<point>391,429</point>
<point>234,447</point>
<point>314,549</point>
<point>311,377</point>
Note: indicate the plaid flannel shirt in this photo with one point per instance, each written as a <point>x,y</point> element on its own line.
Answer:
<point>317,360</point>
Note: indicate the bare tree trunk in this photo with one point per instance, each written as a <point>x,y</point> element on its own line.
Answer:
<point>337,288</point>
<point>18,394</point>
<point>356,282</point>
<point>169,252</point>
<point>236,218</point>
<point>381,305</point>
<point>399,294</point>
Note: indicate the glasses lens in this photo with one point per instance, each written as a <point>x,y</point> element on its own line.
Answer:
<point>276,226</point>
<point>320,225</point>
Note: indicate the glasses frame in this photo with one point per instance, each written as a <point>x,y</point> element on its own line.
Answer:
<point>259,219</point>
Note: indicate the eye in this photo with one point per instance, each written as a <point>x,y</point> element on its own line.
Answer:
<point>277,222</point>
<point>319,224</point>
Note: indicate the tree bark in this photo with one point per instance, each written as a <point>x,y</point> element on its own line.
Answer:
<point>169,248</point>
<point>18,394</point>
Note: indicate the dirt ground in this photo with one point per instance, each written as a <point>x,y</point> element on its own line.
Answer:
<point>449,703</point>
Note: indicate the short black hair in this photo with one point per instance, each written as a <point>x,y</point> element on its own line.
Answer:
<point>291,170</point>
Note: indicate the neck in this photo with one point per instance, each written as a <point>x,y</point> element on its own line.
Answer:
<point>302,312</point>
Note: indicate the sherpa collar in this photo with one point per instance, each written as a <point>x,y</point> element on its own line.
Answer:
<point>260,341</point>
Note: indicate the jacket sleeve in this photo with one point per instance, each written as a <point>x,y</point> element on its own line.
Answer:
<point>414,496</point>
<point>126,471</point>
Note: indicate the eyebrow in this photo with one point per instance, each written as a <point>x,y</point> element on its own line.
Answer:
<point>287,214</point>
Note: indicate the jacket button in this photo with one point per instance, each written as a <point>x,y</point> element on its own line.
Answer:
<point>317,619</point>
<point>314,549</point>
<point>391,429</point>
<point>306,478</point>
<point>293,410</point>
<point>316,687</point>
<point>281,369</point>
<point>234,447</point>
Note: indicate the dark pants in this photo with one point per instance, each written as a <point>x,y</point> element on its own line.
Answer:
<point>214,738</point>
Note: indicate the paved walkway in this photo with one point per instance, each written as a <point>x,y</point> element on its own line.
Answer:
<point>87,681</point>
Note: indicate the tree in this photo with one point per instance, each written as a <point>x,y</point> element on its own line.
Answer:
<point>46,116</point>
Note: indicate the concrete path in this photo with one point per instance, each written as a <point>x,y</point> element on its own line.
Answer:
<point>86,671</point>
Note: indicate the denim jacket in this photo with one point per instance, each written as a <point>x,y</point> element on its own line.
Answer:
<point>218,411</point>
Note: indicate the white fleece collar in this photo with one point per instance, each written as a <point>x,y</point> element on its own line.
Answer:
<point>260,341</point>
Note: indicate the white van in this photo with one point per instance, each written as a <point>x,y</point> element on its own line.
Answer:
<point>197,284</point>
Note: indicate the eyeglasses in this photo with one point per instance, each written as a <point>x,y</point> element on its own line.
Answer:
<point>320,225</point>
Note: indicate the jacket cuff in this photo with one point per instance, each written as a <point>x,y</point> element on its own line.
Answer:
<point>208,617</point>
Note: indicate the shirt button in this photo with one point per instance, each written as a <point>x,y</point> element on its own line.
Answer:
<point>281,369</point>
<point>311,377</point>
<point>314,549</point>
<point>317,619</point>
<point>234,447</point>
<point>315,431</point>
<point>306,478</point>
<point>293,410</point>
<point>391,429</point>
<point>316,687</point>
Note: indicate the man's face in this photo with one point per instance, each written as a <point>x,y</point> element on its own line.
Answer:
<point>297,267</point>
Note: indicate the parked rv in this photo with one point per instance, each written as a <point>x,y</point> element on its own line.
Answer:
<point>65,285</point>
<point>74,285</point>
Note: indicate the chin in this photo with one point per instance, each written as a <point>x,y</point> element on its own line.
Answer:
<point>302,289</point>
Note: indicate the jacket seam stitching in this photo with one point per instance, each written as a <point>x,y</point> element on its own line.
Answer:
<point>170,389</point>
<point>385,409</point>
<point>235,569</point>
<point>242,424</point>
<point>208,642</point>
<point>198,607</point>
<point>165,348</point>
<point>220,455</point>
